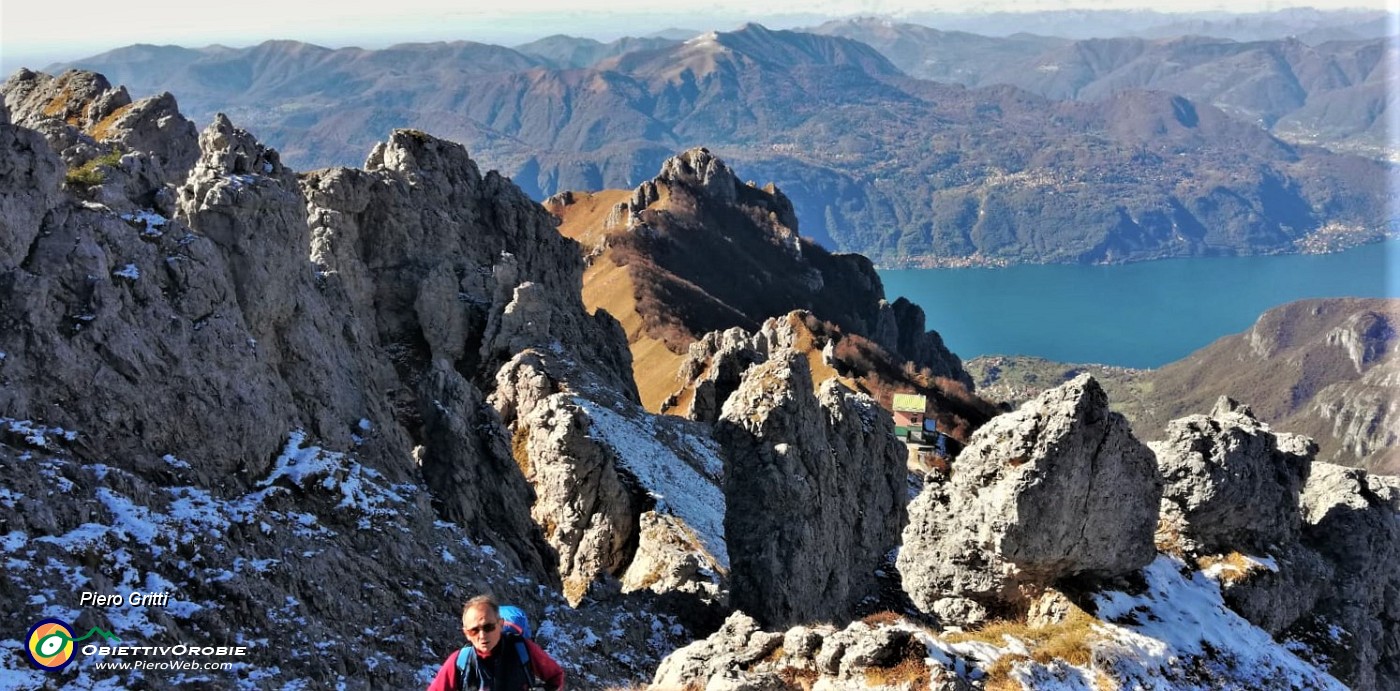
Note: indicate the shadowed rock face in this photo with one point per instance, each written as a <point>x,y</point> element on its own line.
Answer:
<point>421,258</point>
<point>1059,488</point>
<point>814,488</point>
<point>1350,519</point>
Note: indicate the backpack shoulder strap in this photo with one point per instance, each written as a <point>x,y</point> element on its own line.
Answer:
<point>465,659</point>
<point>522,652</point>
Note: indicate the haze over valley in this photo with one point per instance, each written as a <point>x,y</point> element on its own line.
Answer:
<point>1178,160</point>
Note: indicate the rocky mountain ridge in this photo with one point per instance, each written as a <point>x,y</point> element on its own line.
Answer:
<point>322,409</point>
<point>268,392</point>
<point>695,251</point>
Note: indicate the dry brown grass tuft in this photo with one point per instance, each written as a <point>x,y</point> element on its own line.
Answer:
<point>520,449</point>
<point>885,618</point>
<point>103,129</point>
<point>908,671</point>
<point>798,678</point>
<point>1068,641</point>
<point>999,674</point>
<point>59,103</point>
<point>1169,538</point>
<point>1234,567</point>
<point>1103,682</point>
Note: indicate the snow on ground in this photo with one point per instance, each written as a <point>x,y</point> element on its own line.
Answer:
<point>1182,616</point>
<point>34,434</point>
<point>182,528</point>
<point>677,486</point>
<point>361,488</point>
<point>151,221</point>
<point>175,539</point>
<point>1178,635</point>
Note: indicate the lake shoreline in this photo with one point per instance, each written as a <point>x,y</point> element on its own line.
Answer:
<point>1328,240</point>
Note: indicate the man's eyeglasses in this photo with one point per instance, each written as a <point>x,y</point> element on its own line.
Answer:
<point>484,628</point>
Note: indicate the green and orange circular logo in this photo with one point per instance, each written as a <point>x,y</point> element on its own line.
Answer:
<point>50,645</point>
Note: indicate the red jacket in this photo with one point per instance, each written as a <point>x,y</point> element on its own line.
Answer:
<point>541,665</point>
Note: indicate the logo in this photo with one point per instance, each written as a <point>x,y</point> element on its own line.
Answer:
<point>51,643</point>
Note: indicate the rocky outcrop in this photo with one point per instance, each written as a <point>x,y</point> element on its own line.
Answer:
<point>920,345</point>
<point>1230,482</point>
<point>702,171</point>
<point>813,484</point>
<point>1307,551</point>
<point>476,298</point>
<point>1352,519</point>
<point>742,656</point>
<point>625,497</point>
<point>33,174</point>
<point>299,365</point>
<point>708,252</point>
<point>589,515</point>
<point>1059,488</point>
<point>78,98</point>
<point>1360,418</point>
<point>84,117</point>
<point>715,365</point>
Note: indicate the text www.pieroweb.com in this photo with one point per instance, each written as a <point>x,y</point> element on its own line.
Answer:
<point>147,665</point>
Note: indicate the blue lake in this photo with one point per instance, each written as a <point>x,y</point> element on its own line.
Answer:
<point>1134,315</point>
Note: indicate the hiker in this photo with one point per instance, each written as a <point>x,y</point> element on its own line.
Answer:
<point>500,657</point>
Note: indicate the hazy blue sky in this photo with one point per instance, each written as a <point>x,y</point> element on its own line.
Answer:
<point>36,32</point>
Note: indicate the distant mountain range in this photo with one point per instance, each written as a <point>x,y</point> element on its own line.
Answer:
<point>903,170</point>
<point>1336,93</point>
<point>1310,25</point>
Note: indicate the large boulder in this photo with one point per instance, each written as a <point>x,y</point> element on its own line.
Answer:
<point>814,486</point>
<point>1059,488</point>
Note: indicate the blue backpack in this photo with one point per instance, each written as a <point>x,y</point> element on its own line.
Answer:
<point>513,621</point>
